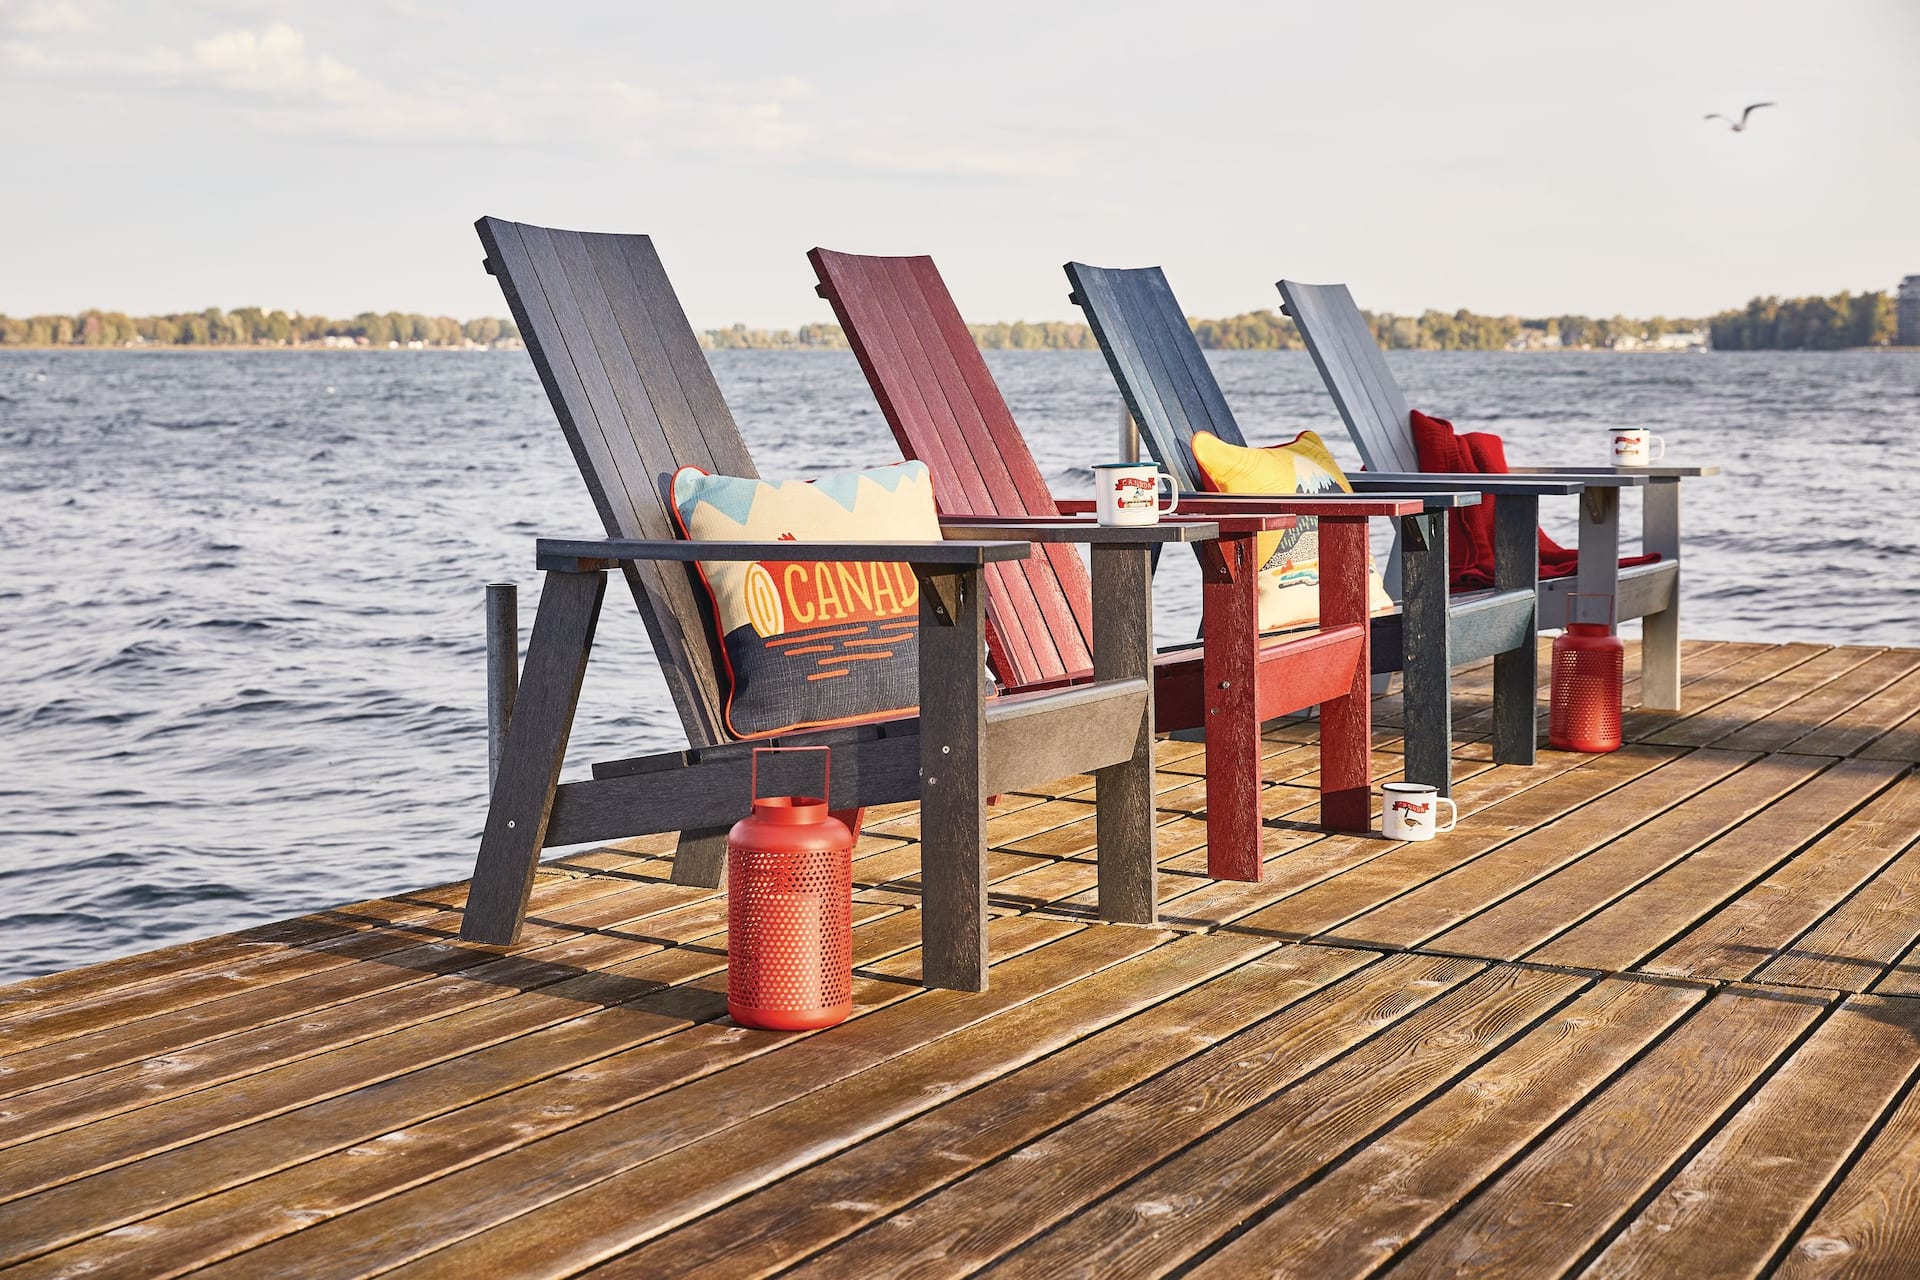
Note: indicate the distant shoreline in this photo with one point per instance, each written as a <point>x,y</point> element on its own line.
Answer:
<point>316,348</point>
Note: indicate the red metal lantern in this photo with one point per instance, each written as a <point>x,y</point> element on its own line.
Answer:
<point>1589,665</point>
<point>789,911</point>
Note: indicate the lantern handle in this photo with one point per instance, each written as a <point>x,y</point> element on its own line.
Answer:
<point>826,773</point>
<point>1591,595</point>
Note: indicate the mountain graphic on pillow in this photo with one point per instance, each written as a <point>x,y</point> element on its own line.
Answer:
<point>1289,561</point>
<point>805,642</point>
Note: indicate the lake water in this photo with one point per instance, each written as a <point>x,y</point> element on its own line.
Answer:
<point>241,657</point>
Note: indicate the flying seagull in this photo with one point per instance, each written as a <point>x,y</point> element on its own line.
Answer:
<point>1739,125</point>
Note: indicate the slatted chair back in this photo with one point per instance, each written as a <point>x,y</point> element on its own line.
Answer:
<point>637,401</point>
<point>1356,373</point>
<point>1163,375</point>
<point>946,410</point>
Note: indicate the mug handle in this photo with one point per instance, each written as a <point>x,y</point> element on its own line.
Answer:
<point>1173,495</point>
<point>1453,814</point>
<point>1659,444</point>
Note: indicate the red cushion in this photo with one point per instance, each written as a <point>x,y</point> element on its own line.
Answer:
<point>1470,529</point>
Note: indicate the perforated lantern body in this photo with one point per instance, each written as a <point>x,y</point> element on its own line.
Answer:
<point>789,916</point>
<point>1583,712</point>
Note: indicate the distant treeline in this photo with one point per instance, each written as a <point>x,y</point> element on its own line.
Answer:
<point>1844,320</point>
<point>1821,324</point>
<point>1807,324</point>
<point>251,327</point>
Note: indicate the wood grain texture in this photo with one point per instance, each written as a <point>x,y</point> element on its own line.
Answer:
<point>982,1216</point>
<point>1762,923</point>
<point>1451,900</point>
<point>1123,651</point>
<point>1153,1223</point>
<point>629,1209</point>
<point>1853,947</point>
<point>1870,1224</point>
<point>326,1160</point>
<point>953,799</point>
<point>1865,722</point>
<point>1734,1206</point>
<point>1352,1220</point>
<point>359,1093</point>
<point>440,1212</point>
<point>1569,1191</point>
<point>817,1206</point>
<point>1229,591</point>
<point>1637,923</point>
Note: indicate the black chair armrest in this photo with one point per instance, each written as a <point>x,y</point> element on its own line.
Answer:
<point>1491,486</point>
<point>1596,477</point>
<point>580,555</point>
<point>1080,529</point>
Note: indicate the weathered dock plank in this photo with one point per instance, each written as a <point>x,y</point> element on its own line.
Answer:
<point>1699,955</point>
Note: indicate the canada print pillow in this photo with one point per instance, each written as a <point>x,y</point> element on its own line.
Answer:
<point>813,642</point>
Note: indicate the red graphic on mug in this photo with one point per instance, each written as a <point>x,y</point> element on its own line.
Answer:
<point>1136,492</point>
<point>1411,808</point>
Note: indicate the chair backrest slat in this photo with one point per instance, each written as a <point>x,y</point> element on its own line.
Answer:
<point>637,401</point>
<point>1164,376</point>
<point>1356,373</point>
<point>946,410</point>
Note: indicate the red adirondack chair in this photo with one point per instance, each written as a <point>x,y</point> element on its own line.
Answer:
<point>946,410</point>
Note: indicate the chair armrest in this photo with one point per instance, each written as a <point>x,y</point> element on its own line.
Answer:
<point>1661,471</point>
<point>1299,504</point>
<point>1322,504</point>
<point>1043,529</point>
<point>580,555</point>
<point>1598,477</point>
<point>1491,486</point>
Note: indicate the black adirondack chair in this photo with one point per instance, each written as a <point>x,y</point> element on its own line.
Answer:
<point>1171,392</point>
<point>637,400</point>
<point>1376,414</point>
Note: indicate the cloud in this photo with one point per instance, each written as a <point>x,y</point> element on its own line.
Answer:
<point>290,86</point>
<point>732,116</point>
<point>273,62</point>
<point>293,88</point>
<point>41,17</point>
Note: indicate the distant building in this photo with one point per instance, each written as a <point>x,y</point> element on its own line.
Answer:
<point>1682,340</point>
<point>1909,312</point>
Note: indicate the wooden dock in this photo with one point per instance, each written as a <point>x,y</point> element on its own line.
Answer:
<point>1654,1013</point>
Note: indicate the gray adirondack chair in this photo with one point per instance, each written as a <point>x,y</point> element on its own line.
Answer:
<point>1171,393</point>
<point>637,400</point>
<point>1371,404</point>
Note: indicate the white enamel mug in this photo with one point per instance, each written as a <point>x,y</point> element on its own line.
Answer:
<point>1410,811</point>
<point>1636,447</point>
<point>1128,493</point>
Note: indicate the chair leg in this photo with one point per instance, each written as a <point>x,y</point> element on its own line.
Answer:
<point>953,799</point>
<point>1346,730</point>
<point>1516,676</point>
<point>1660,632</point>
<point>1230,605</point>
<point>1427,696</point>
<point>1123,813</point>
<point>530,759</point>
<point>700,858</point>
<point>1599,571</point>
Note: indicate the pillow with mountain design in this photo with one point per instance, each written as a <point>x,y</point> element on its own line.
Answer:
<point>1289,560</point>
<point>808,643</point>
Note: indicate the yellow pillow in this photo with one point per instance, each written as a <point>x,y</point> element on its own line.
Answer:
<point>1290,560</point>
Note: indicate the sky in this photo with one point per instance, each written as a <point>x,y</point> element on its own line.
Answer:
<point>1508,158</point>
